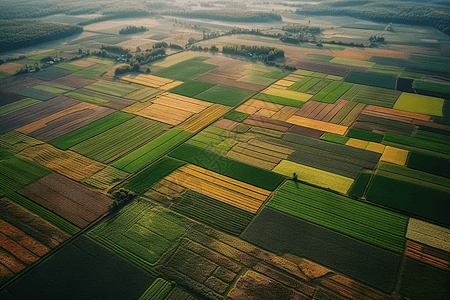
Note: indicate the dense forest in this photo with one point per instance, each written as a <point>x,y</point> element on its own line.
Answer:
<point>411,13</point>
<point>232,15</point>
<point>21,33</point>
<point>269,53</point>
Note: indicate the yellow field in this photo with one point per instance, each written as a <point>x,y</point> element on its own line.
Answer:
<point>219,187</point>
<point>294,77</point>
<point>319,125</point>
<point>15,142</point>
<point>176,58</point>
<point>314,176</point>
<point>287,94</point>
<point>420,104</point>
<point>265,113</point>
<point>153,81</point>
<point>376,147</point>
<point>246,109</point>
<point>67,163</point>
<point>285,113</point>
<point>429,234</point>
<point>284,82</point>
<point>357,143</point>
<point>105,178</point>
<point>165,114</point>
<point>198,121</point>
<point>394,155</point>
<point>134,108</point>
<point>254,161</point>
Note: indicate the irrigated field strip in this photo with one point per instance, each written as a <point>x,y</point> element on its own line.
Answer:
<point>219,187</point>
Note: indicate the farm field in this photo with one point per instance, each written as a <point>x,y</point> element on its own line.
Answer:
<point>320,174</point>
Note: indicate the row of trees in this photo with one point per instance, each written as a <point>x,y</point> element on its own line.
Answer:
<point>132,29</point>
<point>15,34</point>
<point>269,53</point>
<point>231,15</point>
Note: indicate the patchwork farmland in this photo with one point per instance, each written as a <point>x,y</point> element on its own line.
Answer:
<point>211,176</point>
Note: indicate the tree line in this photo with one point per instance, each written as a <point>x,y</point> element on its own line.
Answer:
<point>232,15</point>
<point>268,53</point>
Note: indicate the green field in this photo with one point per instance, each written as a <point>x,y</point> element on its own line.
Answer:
<point>335,138</point>
<point>152,174</point>
<point>213,139</point>
<point>416,143</point>
<point>428,163</point>
<point>124,137</point>
<point>386,69</point>
<point>374,79</point>
<point>191,88</point>
<point>236,116</point>
<point>18,105</point>
<point>224,95</point>
<point>228,167</point>
<point>359,186</point>
<point>352,62</point>
<point>111,88</point>
<point>279,100</point>
<point>212,212</point>
<point>159,290</point>
<point>86,98</point>
<point>139,233</point>
<point>185,71</point>
<point>373,96</point>
<point>152,150</point>
<point>332,92</point>
<point>50,89</point>
<point>359,220</point>
<point>143,94</point>
<point>95,71</point>
<point>364,135</point>
<point>86,132</point>
<point>69,67</point>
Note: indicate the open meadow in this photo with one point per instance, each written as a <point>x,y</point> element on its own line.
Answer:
<point>321,173</point>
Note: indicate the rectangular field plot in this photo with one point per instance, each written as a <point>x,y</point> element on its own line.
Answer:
<point>374,79</point>
<point>287,94</point>
<point>89,263</point>
<point>82,63</point>
<point>224,95</point>
<point>420,104</point>
<point>177,58</point>
<point>352,62</point>
<point>70,139</point>
<point>213,139</point>
<point>18,105</point>
<point>405,142</point>
<point>332,92</point>
<point>67,163</point>
<point>225,166</point>
<point>36,94</point>
<point>152,150</point>
<point>144,94</point>
<point>153,81</point>
<point>106,178</point>
<point>373,96</point>
<point>55,89</point>
<point>212,212</point>
<point>363,221</point>
<point>110,88</point>
<point>191,88</point>
<point>279,100</point>
<point>319,125</point>
<point>186,70</point>
<point>13,142</point>
<point>428,255</point>
<point>69,67</point>
<point>428,163</point>
<point>159,288</point>
<point>282,233</point>
<point>72,201</point>
<point>63,122</point>
<point>17,172</point>
<point>99,147</point>
<point>221,76</point>
<point>102,99</point>
<point>140,233</point>
<point>429,234</point>
<point>73,81</point>
<point>51,73</point>
<point>216,186</point>
<point>200,120</point>
<point>24,244</point>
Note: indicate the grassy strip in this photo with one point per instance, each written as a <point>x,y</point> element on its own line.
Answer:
<point>45,214</point>
<point>86,98</point>
<point>409,197</point>
<point>69,67</point>
<point>228,167</point>
<point>335,138</point>
<point>68,140</point>
<point>152,150</point>
<point>359,220</point>
<point>432,137</point>
<point>123,137</point>
<point>319,86</point>
<point>299,83</point>
<point>307,85</point>
<point>224,95</point>
<point>153,174</point>
<point>212,212</point>
<point>159,290</point>
<point>111,89</point>
<point>364,135</point>
<point>428,163</point>
<point>50,89</point>
<point>18,105</point>
<point>415,142</point>
<point>185,71</point>
<point>280,100</point>
<point>236,116</point>
<point>191,88</point>
<point>359,185</point>
<point>373,79</point>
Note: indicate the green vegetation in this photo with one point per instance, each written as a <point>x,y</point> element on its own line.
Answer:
<point>185,71</point>
<point>332,92</point>
<point>432,88</point>
<point>213,139</point>
<point>352,62</point>
<point>270,53</point>
<point>124,137</point>
<point>86,132</point>
<point>152,174</point>
<point>335,138</point>
<point>228,167</point>
<point>432,137</point>
<point>132,30</point>
<point>228,14</point>
<point>212,212</point>
<point>360,220</point>
<point>159,290</point>
<point>111,88</point>
<point>152,150</point>
<point>18,105</point>
<point>50,89</point>
<point>191,88</point>
<point>359,185</point>
<point>364,135</point>
<point>372,96</point>
<point>236,116</point>
<point>86,98</point>
<point>415,142</point>
<point>20,33</point>
<point>429,163</point>
<point>373,79</point>
<point>224,95</point>
<point>279,100</point>
<point>69,67</point>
